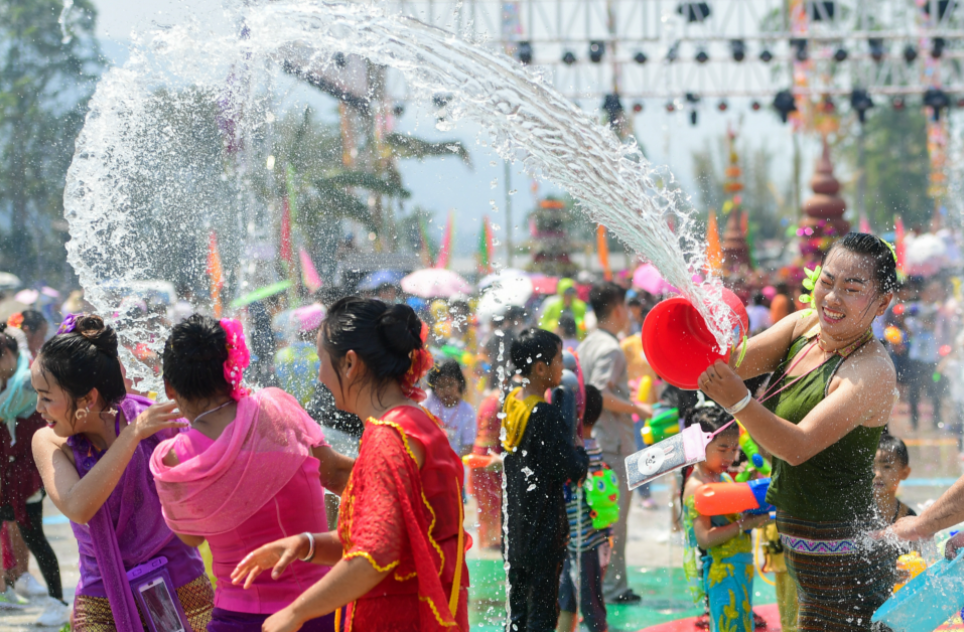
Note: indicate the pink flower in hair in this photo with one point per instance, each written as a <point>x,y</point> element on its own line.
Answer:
<point>238,357</point>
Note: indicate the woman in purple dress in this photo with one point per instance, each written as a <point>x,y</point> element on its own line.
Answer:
<point>94,459</point>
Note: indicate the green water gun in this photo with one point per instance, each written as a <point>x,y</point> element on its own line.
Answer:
<point>664,423</point>
<point>602,496</point>
<point>755,460</point>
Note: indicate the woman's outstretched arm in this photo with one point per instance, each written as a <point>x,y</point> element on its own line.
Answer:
<point>346,582</point>
<point>863,394</point>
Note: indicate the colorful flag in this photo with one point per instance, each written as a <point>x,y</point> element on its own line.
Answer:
<point>602,245</point>
<point>485,247</point>
<point>426,250</point>
<point>285,250</point>
<point>446,248</point>
<point>714,253</point>
<point>309,275</point>
<point>899,246</point>
<point>215,273</point>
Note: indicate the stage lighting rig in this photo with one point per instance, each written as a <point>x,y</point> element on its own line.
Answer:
<point>784,103</point>
<point>613,107</point>
<point>702,56</point>
<point>738,49</point>
<point>860,101</point>
<point>800,49</point>
<point>937,100</point>
<point>640,58</point>
<point>877,50</point>
<point>766,56</point>
<point>840,55</point>
<point>597,49</point>
<point>569,58</point>
<point>694,11</point>
<point>937,47</point>
<point>524,51</point>
<point>910,53</point>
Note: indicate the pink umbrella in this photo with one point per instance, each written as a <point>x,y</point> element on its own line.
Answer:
<point>647,277</point>
<point>542,284</point>
<point>435,283</point>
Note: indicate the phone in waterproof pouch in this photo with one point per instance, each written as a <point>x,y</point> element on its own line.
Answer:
<point>161,609</point>
<point>157,597</point>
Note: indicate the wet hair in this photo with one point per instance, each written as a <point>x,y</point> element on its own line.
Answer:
<point>865,244</point>
<point>567,325</point>
<point>194,356</point>
<point>894,446</point>
<point>85,359</point>
<point>604,297</point>
<point>594,406</point>
<point>449,368</point>
<point>531,346</point>
<point>32,320</point>
<point>383,336</point>
<point>7,343</point>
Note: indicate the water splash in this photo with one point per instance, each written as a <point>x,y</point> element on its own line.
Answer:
<point>62,20</point>
<point>130,145</point>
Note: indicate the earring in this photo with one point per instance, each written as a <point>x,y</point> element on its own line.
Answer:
<point>81,417</point>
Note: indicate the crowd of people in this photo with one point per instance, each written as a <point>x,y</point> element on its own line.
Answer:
<point>363,424</point>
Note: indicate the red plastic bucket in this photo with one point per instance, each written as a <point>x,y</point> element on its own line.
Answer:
<point>677,343</point>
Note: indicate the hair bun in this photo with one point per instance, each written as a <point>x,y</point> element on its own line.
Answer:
<point>99,334</point>
<point>400,329</point>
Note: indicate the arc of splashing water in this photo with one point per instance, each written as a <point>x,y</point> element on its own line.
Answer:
<point>613,182</point>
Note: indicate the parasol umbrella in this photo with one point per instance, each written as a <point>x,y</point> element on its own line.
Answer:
<point>511,288</point>
<point>8,281</point>
<point>435,283</point>
<point>293,321</point>
<point>9,307</point>
<point>507,273</point>
<point>27,297</point>
<point>647,277</point>
<point>542,284</point>
<point>926,254</point>
<point>261,293</point>
<point>373,280</point>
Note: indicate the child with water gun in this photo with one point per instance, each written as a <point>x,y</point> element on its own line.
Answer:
<point>592,507</point>
<point>891,466</point>
<point>718,558</point>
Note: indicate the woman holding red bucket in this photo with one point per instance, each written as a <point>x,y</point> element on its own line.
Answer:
<point>821,417</point>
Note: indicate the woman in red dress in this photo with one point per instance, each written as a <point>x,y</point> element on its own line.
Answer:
<point>398,557</point>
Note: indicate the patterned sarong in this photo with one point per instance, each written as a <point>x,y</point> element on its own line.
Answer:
<point>842,577</point>
<point>92,614</point>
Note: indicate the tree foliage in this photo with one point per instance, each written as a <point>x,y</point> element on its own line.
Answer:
<point>763,201</point>
<point>896,166</point>
<point>46,79</point>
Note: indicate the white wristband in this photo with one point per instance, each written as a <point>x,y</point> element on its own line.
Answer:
<point>740,405</point>
<point>311,547</point>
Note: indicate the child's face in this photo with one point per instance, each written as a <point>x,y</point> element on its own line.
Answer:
<point>722,452</point>
<point>448,390</point>
<point>555,369</point>
<point>888,473</point>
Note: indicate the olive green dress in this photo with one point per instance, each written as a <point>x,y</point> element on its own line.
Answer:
<point>825,509</point>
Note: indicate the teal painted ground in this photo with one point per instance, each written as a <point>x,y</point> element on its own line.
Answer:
<point>662,590</point>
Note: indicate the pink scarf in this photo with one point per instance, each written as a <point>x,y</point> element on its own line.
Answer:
<point>252,460</point>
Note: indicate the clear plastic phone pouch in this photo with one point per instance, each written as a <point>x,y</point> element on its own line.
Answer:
<point>157,597</point>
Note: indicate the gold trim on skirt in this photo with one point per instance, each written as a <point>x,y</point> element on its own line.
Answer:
<point>92,614</point>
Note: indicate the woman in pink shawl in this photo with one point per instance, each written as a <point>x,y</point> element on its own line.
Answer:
<point>250,470</point>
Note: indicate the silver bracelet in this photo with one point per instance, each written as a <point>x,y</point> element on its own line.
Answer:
<point>311,547</point>
<point>740,405</point>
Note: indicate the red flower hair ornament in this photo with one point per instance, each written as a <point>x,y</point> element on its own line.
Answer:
<point>422,361</point>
